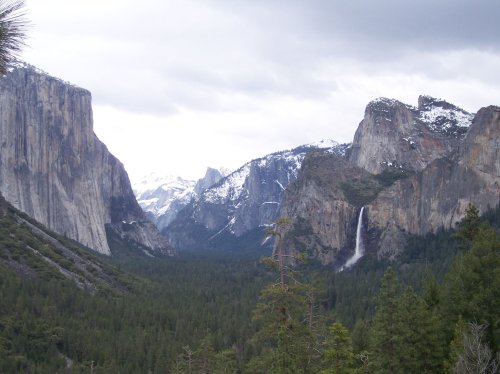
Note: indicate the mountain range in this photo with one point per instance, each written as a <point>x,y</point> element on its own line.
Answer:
<point>414,169</point>
<point>236,210</point>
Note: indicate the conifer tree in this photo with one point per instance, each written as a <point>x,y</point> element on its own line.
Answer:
<point>456,346</point>
<point>12,31</point>
<point>420,344</point>
<point>472,287</point>
<point>386,333</point>
<point>338,355</point>
<point>284,335</point>
<point>469,226</point>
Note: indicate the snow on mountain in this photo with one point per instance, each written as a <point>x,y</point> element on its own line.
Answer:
<point>245,200</point>
<point>155,193</point>
<point>163,196</point>
<point>234,186</point>
<point>442,116</point>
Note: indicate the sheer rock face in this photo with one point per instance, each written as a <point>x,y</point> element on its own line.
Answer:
<point>54,168</point>
<point>438,196</point>
<point>324,223</point>
<point>452,166</point>
<point>396,134</point>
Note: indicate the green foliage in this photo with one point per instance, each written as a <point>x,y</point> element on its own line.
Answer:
<point>390,175</point>
<point>469,226</point>
<point>12,31</point>
<point>360,191</point>
<point>386,334</point>
<point>205,360</point>
<point>285,333</point>
<point>148,321</point>
<point>338,353</point>
<point>456,346</point>
<point>405,335</point>
<point>472,287</point>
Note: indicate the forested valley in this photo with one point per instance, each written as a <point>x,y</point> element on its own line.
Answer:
<point>434,310</point>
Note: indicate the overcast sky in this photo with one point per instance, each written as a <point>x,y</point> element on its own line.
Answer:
<point>179,85</point>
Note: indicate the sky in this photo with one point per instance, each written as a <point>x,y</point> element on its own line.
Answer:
<point>179,85</point>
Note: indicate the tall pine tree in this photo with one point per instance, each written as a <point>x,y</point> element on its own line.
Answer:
<point>386,333</point>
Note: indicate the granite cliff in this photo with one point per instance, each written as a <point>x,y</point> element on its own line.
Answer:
<point>55,169</point>
<point>415,169</point>
<point>235,211</point>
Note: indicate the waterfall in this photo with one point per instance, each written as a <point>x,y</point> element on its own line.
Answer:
<point>360,250</point>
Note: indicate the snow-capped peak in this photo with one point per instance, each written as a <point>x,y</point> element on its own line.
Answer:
<point>153,181</point>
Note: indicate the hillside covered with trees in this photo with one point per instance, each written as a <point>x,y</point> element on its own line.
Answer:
<point>432,310</point>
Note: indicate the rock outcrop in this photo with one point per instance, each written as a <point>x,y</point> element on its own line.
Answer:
<point>54,168</point>
<point>414,169</point>
<point>439,195</point>
<point>399,135</point>
<point>323,218</point>
<point>212,176</point>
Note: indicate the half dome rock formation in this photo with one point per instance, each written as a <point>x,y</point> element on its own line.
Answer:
<point>55,169</point>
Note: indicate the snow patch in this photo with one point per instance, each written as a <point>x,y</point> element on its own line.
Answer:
<point>441,119</point>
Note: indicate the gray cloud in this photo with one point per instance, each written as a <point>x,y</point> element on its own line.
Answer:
<point>163,56</point>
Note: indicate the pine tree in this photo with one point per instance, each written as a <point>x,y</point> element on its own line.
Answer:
<point>12,31</point>
<point>338,354</point>
<point>284,335</point>
<point>469,226</point>
<point>386,335</point>
<point>420,344</point>
<point>456,346</point>
<point>472,287</point>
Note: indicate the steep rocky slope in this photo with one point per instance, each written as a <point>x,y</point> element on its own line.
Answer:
<point>243,203</point>
<point>414,169</point>
<point>54,168</point>
<point>29,249</point>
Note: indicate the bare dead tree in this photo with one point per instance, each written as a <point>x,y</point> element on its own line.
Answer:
<point>476,357</point>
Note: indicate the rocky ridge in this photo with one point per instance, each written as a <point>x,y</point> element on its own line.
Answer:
<point>414,170</point>
<point>55,169</point>
<point>244,201</point>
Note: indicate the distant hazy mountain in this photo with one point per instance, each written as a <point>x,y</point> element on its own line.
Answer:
<point>162,197</point>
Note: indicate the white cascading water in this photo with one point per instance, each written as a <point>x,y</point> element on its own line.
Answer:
<point>360,250</point>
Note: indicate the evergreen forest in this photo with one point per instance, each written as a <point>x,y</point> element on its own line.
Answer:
<point>433,310</point>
